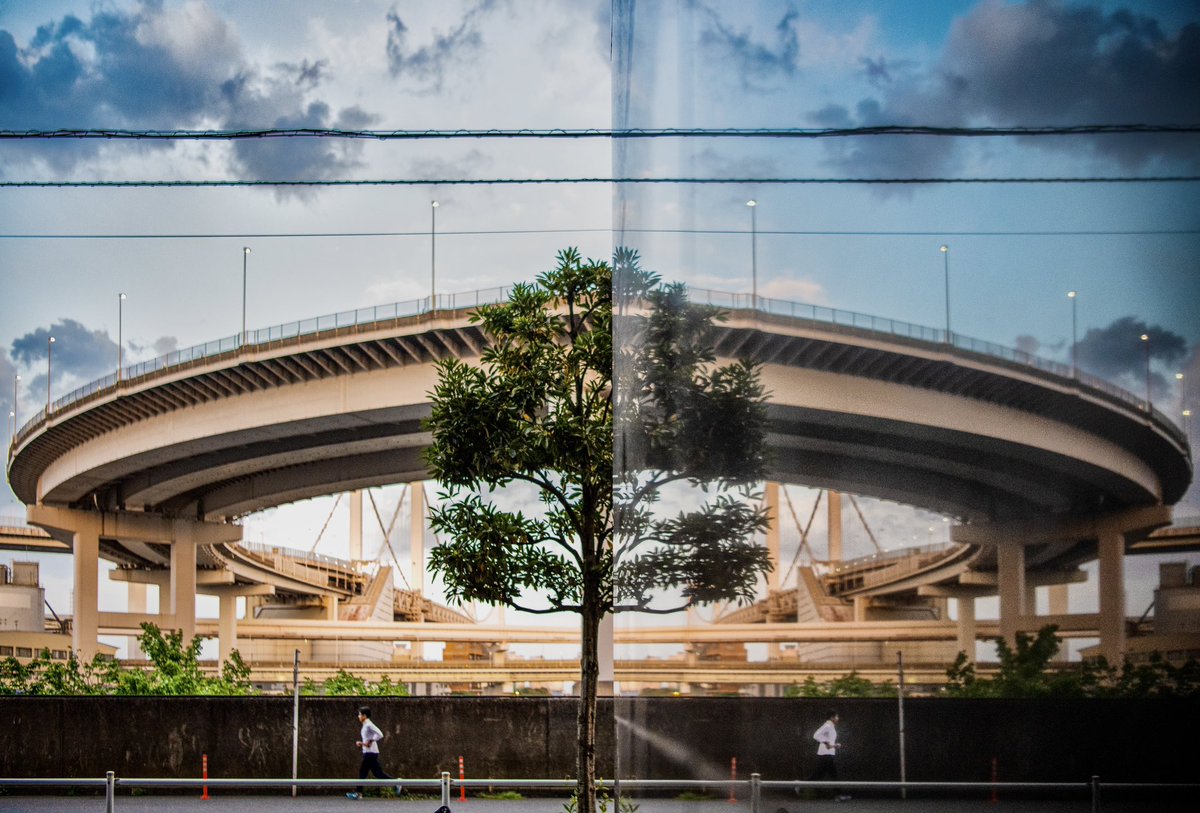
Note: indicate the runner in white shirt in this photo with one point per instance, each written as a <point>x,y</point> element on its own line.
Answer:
<point>368,741</point>
<point>827,748</point>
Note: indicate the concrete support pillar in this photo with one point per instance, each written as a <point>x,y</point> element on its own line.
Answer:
<point>1030,602</point>
<point>834,505</point>
<point>85,546</point>
<point>137,601</point>
<point>861,604</point>
<point>227,626</point>
<point>331,608</point>
<point>183,585</point>
<point>416,538</point>
<point>966,626</point>
<point>1059,603</point>
<point>1112,596</point>
<point>604,654</point>
<point>772,504</point>
<point>356,528</point>
<point>416,545</point>
<point>1012,590</point>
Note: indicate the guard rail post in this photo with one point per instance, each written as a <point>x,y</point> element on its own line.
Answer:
<point>445,788</point>
<point>110,791</point>
<point>755,793</point>
<point>1095,794</point>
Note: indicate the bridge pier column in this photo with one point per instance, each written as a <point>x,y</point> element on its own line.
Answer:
<point>183,584</point>
<point>416,543</point>
<point>85,545</point>
<point>1112,595</point>
<point>356,526</point>
<point>772,503</point>
<point>966,626</point>
<point>1059,599</point>
<point>834,504</point>
<point>136,601</point>
<point>1011,567</point>
<point>227,626</point>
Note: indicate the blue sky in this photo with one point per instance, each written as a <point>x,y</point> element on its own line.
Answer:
<point>1131,250</point>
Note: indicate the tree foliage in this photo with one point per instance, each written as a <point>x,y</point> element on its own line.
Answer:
<point>691,432</point>
<point>174,670</point>
<point>345,684</point>
<point>1027,671</point>
<point>539,409</point>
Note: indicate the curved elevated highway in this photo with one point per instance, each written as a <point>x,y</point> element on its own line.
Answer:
<point>1027,455</point>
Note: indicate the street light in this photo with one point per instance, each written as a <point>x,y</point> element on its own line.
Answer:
<point>1074,297</point>
<point>120,336</point>
<point>16,381</point>
<point>433,207</point>
<point>753,204</point>
<point>1187,426</point>
<point>1182,401</point>
<point>1146,343</point>
<point>945,249</point>
<point>245,255</point>
<point>49,357</point>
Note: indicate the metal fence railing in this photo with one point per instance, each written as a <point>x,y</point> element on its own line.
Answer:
<point>748,793</point>
<point>722,299</point>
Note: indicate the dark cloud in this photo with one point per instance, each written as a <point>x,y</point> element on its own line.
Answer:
<point>1117,352</point>
<point>1039,63</point>
<point>1028,344</point>
<point>428,63</point>
<point>310,74</point>
<point>162,66</point>
<point>302,158</point>
<point>756,63</point>
<point>8,374</point>
<point>79,353</point>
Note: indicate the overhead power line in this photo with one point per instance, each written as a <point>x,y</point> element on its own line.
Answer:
<point>607,230</point>
<point>637,181</point>
<point>627,133</point>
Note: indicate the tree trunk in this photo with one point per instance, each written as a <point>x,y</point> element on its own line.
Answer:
<point>589,677</point>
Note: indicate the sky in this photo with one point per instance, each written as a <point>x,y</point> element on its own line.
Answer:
<point>1130,249</point>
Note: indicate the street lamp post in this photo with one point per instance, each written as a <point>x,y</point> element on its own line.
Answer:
<point>49,359</point>
<point>945,249</point>
<point>16,382</point>
<point>433,207</point>
<point>245,255</point>
<point>1182,400</point>
<point>1074,297</point>
<point>1146,344</point>
<point>120,333</point>
<point>753,205</point>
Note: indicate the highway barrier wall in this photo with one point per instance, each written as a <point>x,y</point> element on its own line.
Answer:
<point>657,738</point>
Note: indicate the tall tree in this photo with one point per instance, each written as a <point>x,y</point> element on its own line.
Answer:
<point>538,409</point>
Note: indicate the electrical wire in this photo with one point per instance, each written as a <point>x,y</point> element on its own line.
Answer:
<point>623,133</point>
<point>502,232</point>
<point>1114,179</point>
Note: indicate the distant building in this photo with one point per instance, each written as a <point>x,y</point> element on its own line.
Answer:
<point>25,631</point>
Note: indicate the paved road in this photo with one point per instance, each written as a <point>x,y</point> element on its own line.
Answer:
<point>333,804</point>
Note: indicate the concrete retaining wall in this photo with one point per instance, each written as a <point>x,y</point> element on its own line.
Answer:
<point>658,738</point>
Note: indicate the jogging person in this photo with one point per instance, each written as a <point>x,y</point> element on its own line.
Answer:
<point>368,741</point>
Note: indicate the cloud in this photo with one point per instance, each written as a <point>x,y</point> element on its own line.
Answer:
<point>77,350</point>
<point>428,63</point>
<point>163,66</point>
<point>1118,353</point>
<point>1039,63</point>
<point>755,63</point>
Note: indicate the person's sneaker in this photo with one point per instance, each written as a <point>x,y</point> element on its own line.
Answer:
<point>353,795</point>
